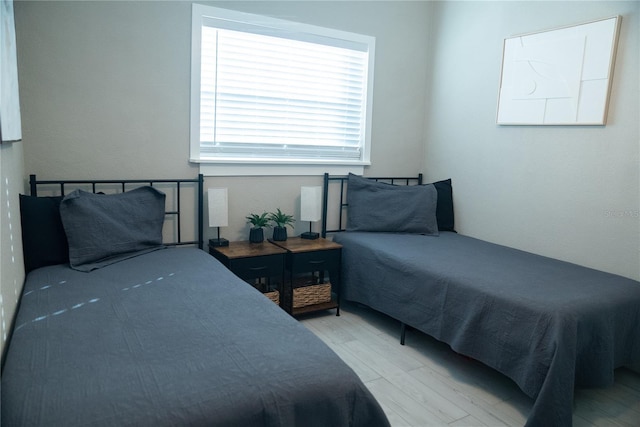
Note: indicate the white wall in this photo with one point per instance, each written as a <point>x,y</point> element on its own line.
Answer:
<point>11,262</point>
<point>566,192</point>
<point>105,91</point>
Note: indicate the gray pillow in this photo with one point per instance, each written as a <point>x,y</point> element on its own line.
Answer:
<point>103,229</point>
<point>378,206</point>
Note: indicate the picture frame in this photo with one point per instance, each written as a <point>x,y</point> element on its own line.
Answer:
<point>10,121</point>
<point>559,77</point>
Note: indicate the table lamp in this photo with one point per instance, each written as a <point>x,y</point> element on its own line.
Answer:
<point>310,209</point>
<point>218,213</point>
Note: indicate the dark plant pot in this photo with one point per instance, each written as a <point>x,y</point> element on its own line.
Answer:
<point>256,235</point>
<point>279,234</point>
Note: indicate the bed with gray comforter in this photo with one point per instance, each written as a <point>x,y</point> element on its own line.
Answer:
<point>115,329</point>
<point>170,337</point>
<point>548,325</point>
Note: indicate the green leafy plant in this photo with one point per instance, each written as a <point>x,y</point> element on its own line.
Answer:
<point>281,219</point>
<point>259,221</point>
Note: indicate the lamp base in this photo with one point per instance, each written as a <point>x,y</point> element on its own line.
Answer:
<point>218,242</point>
<point>310,235</point>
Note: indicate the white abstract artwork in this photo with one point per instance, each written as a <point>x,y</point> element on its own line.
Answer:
<point>558,77</point>
<point>10,123</point>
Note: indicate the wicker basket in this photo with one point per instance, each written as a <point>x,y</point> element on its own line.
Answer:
<point>312,294</point>
<point>273,296</point>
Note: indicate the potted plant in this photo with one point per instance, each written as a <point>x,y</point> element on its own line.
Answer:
<point>281,221</point>
<point>256,233</point>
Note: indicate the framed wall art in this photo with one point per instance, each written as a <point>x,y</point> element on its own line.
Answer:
<point>10,123</point>
<point>559,77</point>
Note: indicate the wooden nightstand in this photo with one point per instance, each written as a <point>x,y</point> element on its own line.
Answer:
<point>260,264</point>
<point>316,257</point>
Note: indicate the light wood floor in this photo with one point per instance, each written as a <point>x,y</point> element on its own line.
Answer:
<point>425,383</point>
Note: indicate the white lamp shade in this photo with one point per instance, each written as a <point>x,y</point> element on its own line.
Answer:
<point>310,209</point>
<point>218,207</point>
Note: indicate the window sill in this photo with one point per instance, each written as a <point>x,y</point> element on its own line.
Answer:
<point>284,169</point>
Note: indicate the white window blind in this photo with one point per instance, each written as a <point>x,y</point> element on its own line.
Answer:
<point>276,91</point>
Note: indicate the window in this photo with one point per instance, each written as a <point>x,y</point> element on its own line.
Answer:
<point>272,92</point>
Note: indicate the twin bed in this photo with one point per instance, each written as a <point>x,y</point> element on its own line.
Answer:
<point>116,328</point>
<point>548,325</point>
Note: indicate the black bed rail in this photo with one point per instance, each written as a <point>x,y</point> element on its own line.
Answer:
<point>199,180</point>
<point>342,195</point>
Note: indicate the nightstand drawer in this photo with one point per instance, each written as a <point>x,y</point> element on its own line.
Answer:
<point>255,267</point>
<point>314,261</point>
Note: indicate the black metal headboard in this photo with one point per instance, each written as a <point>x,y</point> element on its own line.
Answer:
<point>339,183</point>
<point>60,187</point>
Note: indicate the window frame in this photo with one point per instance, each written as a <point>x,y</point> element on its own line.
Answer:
<point>202,14</point>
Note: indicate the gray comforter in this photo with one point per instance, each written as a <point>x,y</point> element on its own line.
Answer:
<point>169,338</point>
<point>547,324</point>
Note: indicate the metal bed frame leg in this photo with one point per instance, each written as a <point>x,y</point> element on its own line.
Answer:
<point>403,330</point>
